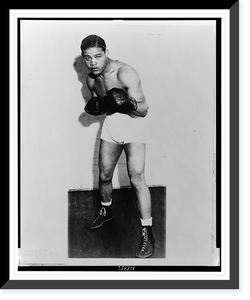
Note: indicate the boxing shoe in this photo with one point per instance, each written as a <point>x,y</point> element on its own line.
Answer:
<point>146,248</point>
<point>105,214</point>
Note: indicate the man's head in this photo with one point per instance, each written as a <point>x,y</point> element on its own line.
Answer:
<point>95,54</point>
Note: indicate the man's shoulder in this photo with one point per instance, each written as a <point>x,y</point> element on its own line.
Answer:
<point>126,70</point>
<point>128,74</point>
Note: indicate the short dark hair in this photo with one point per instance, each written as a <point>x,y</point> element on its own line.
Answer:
<point>93,41</point>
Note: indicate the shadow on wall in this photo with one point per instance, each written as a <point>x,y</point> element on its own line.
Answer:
<point>86,120</point>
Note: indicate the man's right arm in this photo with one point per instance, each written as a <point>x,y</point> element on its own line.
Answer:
<point>95,106</point>
<point>90,84</point>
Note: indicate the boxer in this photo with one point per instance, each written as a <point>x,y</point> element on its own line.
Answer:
<point>116,92</point>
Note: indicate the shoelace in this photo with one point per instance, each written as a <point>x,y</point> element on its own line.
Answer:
<point>145,239</point>
<point>102,212</point>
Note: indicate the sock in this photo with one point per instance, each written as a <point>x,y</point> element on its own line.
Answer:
<point>147,222</point>
<point>106,203</point>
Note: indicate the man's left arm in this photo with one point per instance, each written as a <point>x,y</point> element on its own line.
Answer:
<point>131,81</point>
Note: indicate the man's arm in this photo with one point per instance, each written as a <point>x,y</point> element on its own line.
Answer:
<point>95,106</point>
<point>131,81</point>
<point>90,84</point>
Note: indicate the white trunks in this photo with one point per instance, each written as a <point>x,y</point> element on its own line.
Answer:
<point>122,129</point>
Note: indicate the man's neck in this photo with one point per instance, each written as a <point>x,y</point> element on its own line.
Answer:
<point>107,68</point>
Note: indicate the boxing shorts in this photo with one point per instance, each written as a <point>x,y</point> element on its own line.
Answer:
<point>123,129</point>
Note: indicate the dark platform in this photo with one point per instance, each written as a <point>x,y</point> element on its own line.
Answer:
<point>120,237</point>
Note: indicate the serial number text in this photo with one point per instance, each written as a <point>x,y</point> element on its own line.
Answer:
<point>126,268</point>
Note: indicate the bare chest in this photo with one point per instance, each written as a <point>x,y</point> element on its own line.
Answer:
<point>105,83</point>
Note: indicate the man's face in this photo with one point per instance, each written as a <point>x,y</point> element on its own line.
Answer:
<point>95,59</point>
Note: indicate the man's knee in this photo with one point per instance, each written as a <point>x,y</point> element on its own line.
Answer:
<point>137,179</point>
<point>105,176</point>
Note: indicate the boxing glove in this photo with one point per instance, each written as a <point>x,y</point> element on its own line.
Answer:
<point>96,106</point>
<point>120,101</point>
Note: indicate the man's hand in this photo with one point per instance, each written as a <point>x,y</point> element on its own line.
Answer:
<point>120,101</point>
<point>96,106</point>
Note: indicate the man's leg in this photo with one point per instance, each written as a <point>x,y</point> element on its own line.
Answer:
<point>135,153</point>
<point>109,154</point>
<point>108,158</point>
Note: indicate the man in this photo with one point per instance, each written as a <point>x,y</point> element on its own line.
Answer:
<point>117,92</point>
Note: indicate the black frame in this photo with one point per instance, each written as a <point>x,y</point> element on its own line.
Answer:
<point>233,283</point>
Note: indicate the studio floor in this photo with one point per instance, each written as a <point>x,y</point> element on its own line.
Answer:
<point>120,237</point>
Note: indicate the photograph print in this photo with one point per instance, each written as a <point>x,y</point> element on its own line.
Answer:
<point>118,124</point>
